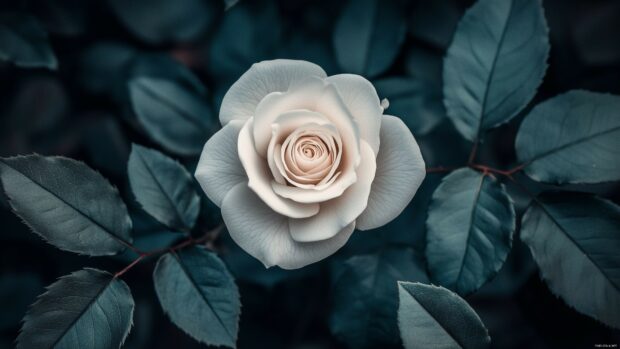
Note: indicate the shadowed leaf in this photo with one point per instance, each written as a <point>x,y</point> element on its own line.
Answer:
<point>572,138</point>
<point>173,116</point>
<point>163,187</point>
<point>24,42</point>
<point>368,36</point>
<point>89,309</point>
<point>434,317</point>
<point>365,297</point>
<point>470,224</point>
<point>198,293</point>
<point>574,240</point>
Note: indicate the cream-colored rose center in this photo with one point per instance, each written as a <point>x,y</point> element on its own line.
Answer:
<point>311,157</point>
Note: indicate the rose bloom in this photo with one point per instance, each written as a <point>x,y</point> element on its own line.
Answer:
<point>303,159</point>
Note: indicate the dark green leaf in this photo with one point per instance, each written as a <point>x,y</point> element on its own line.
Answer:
<point>175,117</point>
<point>249,32</point>
<point>470,224</point>
<point>368,36</point>
<point>434,317</point>
<point>426,64</point>
<point>163,66</point>
<point>416,102</point>
<point>365,297</point>
<point>24,42</point>
<point>435,21</point>
<point>572,138</point>
<point>86,309</point>
<point>575,239</point>
<point>103,66</point>
<point>158,21</point>
<point>68,204</point>
<point>163,187</point>
<point>199,294</point>
<point>494,64</point>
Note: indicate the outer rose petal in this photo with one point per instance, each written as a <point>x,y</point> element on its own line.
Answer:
<point>219,168</point>
<point>261,79</point>
<point>341,211</point>
<point>260,177</point>
<point>361,99</point>
<point>303,96</point>
<point>400,172</point>
<point>265,235</point>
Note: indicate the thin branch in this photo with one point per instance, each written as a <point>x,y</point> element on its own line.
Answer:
<point>131,265</point>
<point>208,236</point>
<point>488,169</point>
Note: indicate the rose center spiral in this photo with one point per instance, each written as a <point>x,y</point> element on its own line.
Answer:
<point>310,156</point>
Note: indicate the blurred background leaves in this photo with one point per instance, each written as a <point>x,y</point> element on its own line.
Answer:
<point>82,108</point>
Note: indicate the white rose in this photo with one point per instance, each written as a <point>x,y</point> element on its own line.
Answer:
<point>303,159</point>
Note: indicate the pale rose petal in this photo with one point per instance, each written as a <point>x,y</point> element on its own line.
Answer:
<point>264,234</point>
<point>261,79</point>
<point>361,99</point>
<point>331,105</point>
<point>303,195</point>
<point>341,211</point>
<point>300,96</point>
<point>260,178</point>
<point>400,172</point>
<point>219,168</point>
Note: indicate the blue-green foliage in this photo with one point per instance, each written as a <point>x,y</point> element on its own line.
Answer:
<point>572,138</point>
<point>574,239</point>
<point>433,317</point>
<point>88,309</point>
<point>198,293</point>
<point>149,63</point>
<point>495,63</point>
<point>368,36</point>
<point>163,187</point>
<point>415,101</point>
<point>365,296</point>
<point>174,116</point>
<point>68,204</point>
<point>469,230</point>
<point>24,42</point>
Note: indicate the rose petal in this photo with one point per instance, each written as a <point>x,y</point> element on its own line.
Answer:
<point>260,178</point>
<point>341,211</point>
<point>360,97</point>
<point>400,172</point>
<point>264,234</point>
<point>331,105</point>
<point>305,195</point>
<point>219,168</point>
<point>303,95</point>
<point>261,79</point>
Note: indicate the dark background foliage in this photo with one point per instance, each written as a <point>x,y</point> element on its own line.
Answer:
<point>82,111</point>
